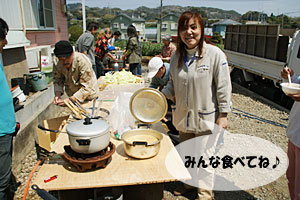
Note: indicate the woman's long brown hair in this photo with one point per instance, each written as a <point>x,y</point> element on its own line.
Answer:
<point>182,23</point>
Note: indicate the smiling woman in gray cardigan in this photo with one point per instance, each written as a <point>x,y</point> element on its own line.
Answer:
<point>199,84</point>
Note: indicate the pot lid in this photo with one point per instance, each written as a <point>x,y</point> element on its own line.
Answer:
<point>87,128</point>
<point>34,73</point>
<point>148,105</point>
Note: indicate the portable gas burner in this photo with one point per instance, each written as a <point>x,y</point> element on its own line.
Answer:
<point>85,162</point>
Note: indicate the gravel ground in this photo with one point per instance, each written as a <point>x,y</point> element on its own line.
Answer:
<point>242,100</point>
<point>251,103</point>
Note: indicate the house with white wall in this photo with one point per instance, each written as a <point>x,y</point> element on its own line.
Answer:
<point>34,27</point>
<point>122,21</point>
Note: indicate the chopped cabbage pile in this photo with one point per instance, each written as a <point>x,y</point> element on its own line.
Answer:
<point>121,77</point>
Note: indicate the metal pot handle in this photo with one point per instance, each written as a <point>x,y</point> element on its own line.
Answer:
<point>147,125</point>
<point>139,143</point>
<point>43,193</point>
<point>83,142</point>
<point>36,77</point>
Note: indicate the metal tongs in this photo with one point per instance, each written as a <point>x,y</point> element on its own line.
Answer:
<point>76,103</point>
<point>98,107</point>
<point>93,109</point>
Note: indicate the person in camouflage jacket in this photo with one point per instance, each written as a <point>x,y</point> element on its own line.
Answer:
<point>73,73</point>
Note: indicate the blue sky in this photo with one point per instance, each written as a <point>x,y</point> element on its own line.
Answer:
<point>289,7</point>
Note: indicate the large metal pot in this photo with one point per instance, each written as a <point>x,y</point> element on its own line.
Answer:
<point>142,143</point>
<point>88,135</point>
<point>148,106</point>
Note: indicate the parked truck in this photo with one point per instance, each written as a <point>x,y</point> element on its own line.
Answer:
<point>257,54</point>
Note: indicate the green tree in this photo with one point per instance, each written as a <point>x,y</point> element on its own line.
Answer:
<point>121,44</point>
<point>77,14</point>
<point>286,22</point>
<point>150,49</point>
<point>74,32</point>
<point>217,38</point>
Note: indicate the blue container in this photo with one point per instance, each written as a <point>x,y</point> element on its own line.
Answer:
<point>37,80</point>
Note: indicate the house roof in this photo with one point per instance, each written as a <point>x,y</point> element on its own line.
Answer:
<point>173,14</point>
<point>131,18</point>
<point>226,22</point>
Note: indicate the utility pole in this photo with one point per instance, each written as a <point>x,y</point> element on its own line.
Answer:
<point>23,17</point>
<point>109,8</point>
<point>160,21</point>
<point>83,15</point>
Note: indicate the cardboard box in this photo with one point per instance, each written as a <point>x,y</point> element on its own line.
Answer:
<point>47,138</point>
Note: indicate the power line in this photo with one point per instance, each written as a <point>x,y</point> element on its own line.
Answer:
<point>291,12</point>
<point>285,14</point>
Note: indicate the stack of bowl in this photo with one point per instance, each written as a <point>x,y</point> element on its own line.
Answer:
<point>17,92</point>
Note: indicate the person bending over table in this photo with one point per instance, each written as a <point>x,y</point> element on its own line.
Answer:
<point>73,73</point>
<point>158,72</point>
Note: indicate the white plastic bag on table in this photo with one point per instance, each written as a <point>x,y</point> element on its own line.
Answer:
<point>120,118</point>
<point>111,91</point>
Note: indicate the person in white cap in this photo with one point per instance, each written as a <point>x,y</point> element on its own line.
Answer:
<point>159,72</point>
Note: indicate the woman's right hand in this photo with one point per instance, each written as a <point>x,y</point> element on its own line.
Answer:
<point>222,120</point>
<point>285,71</point>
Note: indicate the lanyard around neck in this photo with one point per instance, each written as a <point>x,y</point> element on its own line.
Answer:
<point>185,59</point>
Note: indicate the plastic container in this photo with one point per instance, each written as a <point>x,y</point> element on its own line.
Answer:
<point>119,62</point>
<point>116,66</point>
<point>37,80</point>
<point>17,92</point>
<point>21,97</point>
<point>119,54</point>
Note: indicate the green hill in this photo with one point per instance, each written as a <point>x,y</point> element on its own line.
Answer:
<point>151,13</point>
<point>104,15</point>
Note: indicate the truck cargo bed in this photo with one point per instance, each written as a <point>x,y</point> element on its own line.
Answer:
<point>261,66</point>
